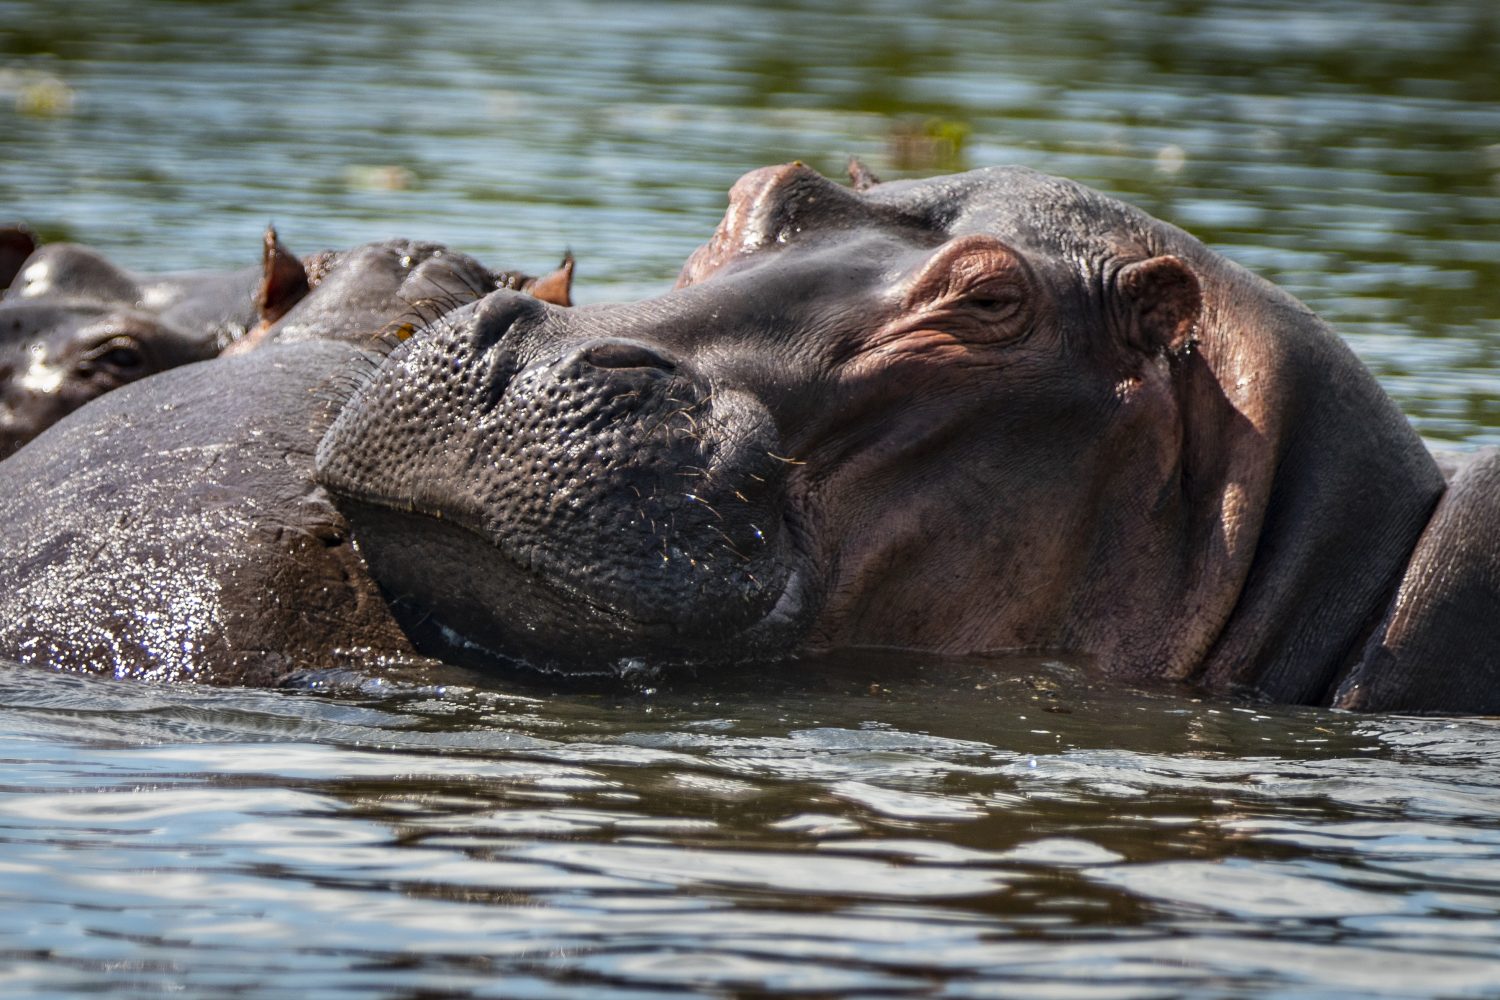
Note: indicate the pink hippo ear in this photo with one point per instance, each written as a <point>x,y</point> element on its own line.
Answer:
<point>556,287</point>
<point>1161,303</point>
<point>16,244</point>
<point>283,280</point>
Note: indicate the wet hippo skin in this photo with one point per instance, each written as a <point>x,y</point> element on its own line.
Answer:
<point>995,410</point>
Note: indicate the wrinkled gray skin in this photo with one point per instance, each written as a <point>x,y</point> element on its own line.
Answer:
<point>989,411</point>
<point>74,326</point>
<point>172,529</point>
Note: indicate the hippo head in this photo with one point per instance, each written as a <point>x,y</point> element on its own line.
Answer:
<point>378,290</point>
<point>993,410</point>
<point>73,325</point>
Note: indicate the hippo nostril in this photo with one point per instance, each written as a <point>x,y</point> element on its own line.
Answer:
<point>625,354</point>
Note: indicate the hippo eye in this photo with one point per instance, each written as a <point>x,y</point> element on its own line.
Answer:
<point>994,301</point>
<point>120,354</point>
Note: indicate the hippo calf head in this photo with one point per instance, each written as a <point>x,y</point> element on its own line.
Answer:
<point>993,410</point>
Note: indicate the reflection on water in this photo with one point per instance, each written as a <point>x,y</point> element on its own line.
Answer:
<point>962,829</point>
<point>484,842</point>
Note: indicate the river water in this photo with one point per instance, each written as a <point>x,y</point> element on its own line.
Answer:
<point>874,826</point>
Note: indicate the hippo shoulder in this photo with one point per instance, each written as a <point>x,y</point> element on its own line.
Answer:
<point>1434,650</point>
<point>171,529</point>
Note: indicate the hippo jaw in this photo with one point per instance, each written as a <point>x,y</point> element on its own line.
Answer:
<point>570,502</point>
<point>462,595</point>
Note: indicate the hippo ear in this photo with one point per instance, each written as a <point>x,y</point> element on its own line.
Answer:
<point>1161,301</point>
<point>860,175</point>
<point>16,244</point>
<point>557,287</point>
<point>283,280</point>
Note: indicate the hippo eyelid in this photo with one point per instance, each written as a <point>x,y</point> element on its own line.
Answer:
<point>996,298</point>
<point>119,351</point>
<point>976,268</point>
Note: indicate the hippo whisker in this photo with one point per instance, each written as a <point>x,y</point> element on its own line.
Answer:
<point>699,500</point>
<point>341,386</point>
<point>729,543</point>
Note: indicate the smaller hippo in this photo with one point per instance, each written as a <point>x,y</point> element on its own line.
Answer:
<point>378,291</point>
<point>73,325</point>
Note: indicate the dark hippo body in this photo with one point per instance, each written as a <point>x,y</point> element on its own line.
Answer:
<point>172,530</point>
<point>989,411</point>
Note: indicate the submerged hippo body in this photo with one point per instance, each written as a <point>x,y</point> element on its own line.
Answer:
<point>989,411</point>
<point>73,326</point>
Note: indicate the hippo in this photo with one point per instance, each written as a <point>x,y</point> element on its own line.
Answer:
<point>73,325</point>
<point>378,290</point>
<point>981,412</point>
<point>172,529</point>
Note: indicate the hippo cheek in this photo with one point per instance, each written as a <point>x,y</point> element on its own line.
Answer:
<point>33,396</point>
<point>598,501</point>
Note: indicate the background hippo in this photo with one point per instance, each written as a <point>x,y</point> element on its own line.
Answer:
<point>993,410</point>
<point>73,326</point>
<point>378,290</point>
<point>172,529</point>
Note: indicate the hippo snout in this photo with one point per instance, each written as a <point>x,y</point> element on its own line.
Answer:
<point>584,490</point>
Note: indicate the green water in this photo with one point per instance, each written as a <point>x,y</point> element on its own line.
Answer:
<point>972,829</point>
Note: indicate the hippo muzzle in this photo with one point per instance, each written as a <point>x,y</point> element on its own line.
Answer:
<point>560,486</point>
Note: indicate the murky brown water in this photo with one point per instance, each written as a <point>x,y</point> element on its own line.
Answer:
<point>973,828</point>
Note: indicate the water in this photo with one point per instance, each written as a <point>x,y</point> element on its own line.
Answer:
<point>878,826</point>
